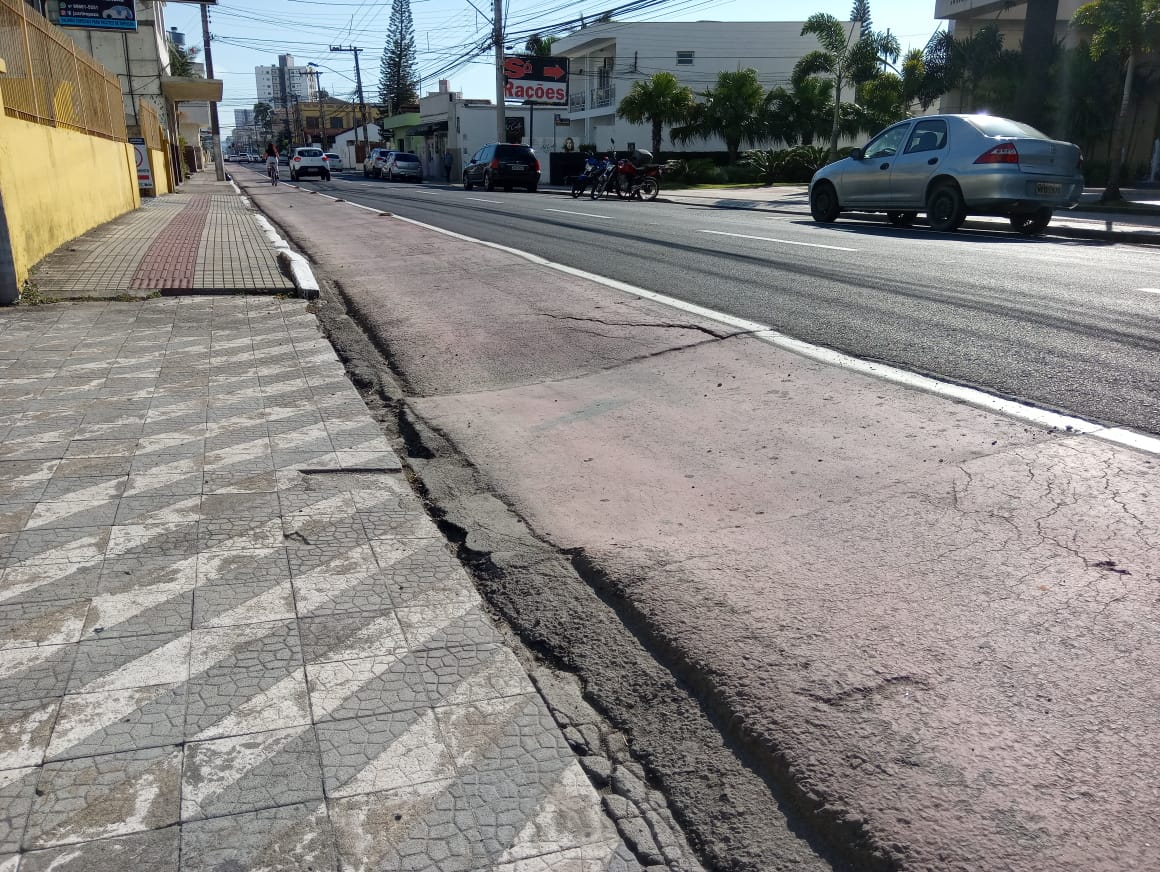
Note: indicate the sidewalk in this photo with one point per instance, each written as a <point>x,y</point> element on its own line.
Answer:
<point>201,239</point>
<point>230,637</point>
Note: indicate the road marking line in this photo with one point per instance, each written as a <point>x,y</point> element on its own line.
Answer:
<point>585,214</point>
<point>779,241</point>
<point>971,396</point>
<point>1149,290</point>
<point>479,200</point>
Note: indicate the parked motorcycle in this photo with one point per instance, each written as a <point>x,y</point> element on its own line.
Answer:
<point>594,167</point>
<point>638,178</point>
<point>606,181</point>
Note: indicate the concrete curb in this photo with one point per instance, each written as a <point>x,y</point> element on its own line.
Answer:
<point>294,264</point>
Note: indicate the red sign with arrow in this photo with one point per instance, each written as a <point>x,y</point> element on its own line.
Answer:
<point>536,80</point>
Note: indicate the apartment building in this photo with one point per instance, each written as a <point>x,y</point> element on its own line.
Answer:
<point>606,59</point>
<point>285,82</point>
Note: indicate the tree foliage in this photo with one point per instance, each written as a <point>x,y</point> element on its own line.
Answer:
<point>1128,29</point>
<point>182,59</point>
<point>398,81</point>
<point>731,109</point>
<point>861,13</point>
<point>657,101</point>
<point>539,46</point>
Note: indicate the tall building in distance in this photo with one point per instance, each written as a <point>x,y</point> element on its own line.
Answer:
<point>243,117</point>
<point>280,84</point>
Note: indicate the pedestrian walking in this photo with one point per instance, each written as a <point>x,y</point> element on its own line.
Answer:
<point>448,163</point>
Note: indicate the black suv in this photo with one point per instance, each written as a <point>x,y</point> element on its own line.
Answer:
<point>500,165</point>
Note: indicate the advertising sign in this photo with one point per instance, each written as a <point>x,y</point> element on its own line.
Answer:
<point>141,154</point>
<point>540,81</point>
<point>99,14</point>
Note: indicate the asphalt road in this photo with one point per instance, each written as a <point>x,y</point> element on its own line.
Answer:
<point>1072,325</point>
<point>929,628</point>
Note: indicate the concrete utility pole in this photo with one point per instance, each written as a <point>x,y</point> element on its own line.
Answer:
<point>500,121</point>
<point>362,105</point>
<point>214,127</point>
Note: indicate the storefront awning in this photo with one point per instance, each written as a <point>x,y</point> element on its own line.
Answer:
<point>429,128</point>
<point>182,89</point>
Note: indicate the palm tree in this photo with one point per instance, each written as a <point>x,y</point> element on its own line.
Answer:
<point>801,114</point>
<point>844,56</point>
<point>731,110</point>
<point>657,101</point>
<point>1130,28</point>
<point>539,46</point>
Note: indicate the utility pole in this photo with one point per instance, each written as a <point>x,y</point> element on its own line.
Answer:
<point>500,121</point>
<point>362,105</point>
<point>214,127</point>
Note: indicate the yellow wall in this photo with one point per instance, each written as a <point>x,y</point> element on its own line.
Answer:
<point>59,184</point>
<point>158,160</point>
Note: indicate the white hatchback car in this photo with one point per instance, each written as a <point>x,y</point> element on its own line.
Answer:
<point>309,162</point>
<point>335,162</point>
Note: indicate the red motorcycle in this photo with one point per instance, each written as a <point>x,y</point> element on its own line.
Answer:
<point>637,178</point>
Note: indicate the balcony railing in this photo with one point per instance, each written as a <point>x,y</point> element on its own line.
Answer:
<point>576,103</point>
<point>602,97</point>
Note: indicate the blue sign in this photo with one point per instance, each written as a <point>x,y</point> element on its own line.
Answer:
<point>99,14</point>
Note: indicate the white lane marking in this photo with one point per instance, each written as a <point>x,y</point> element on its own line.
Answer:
<point>585,214</point>
<point>1041,417</point>
<point>1149,290</point>
<point>480,200</point>
<point>779,241</point>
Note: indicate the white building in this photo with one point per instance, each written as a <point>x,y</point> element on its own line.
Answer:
<point>274,83</point>
<point>243,117</point>
<point>966,17</point>
<point>605,59</point>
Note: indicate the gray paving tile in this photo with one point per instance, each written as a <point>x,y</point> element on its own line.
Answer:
<point>267,565</point>
<point>39,581</point>
<point>366,686</point>
<point>100,448</point>
<point>243,602</point>
<point>293,838</point>
<point>348,637</point>
<point>238,534</point>
<point>424,828</point>
<point>64,545</point>
<point>470,673</point>
<point>47,622</point>
<point>72,513</point>
<point>105,796</point>
<point>453,625</point>
<point>128,662</point>
<point>25,727</point>
<point>128,719</point>
<point>162,509</point>
<point>251,772</point>
<point>35,673</point>
<point>85,488</point>
<point>105,467</point>
<point>153,850</point>
<point>142,611</point>
<point>392,750</point>
<point>141,572</point>
<point>246,506</point>
<point>17,792</point>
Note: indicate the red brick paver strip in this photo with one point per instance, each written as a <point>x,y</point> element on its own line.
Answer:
<point>170,262</point>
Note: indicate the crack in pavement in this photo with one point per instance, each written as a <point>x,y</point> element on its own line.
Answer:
<point>663,325</point>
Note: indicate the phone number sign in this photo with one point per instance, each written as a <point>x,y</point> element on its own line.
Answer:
<point>536,79</point>
<point>100,14</point>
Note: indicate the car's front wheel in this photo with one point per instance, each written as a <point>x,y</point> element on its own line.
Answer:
<point>824,203</point>
<point>467,185</point>
<point>901,219</point>
<point>945,209</point>
<point>488,182</point>
<point>1032,223</point>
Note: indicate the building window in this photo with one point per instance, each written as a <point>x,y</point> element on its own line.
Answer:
<point>336,121</point>
<point>311,122</point>
<point>684,59</point>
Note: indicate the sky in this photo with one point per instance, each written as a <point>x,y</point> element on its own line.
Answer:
<point>249,33</point>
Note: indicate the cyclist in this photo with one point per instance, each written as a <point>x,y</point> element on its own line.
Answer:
<point>272,163</point>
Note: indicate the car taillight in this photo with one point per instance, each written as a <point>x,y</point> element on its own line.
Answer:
<point>495,163</point>
<point>537,165</point>
<point>297,159</point>
<point>1004,153</point>
<point>1079,162</point>
<point>324,157</point>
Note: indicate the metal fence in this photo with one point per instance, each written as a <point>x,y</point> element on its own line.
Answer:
<point>51,81</point>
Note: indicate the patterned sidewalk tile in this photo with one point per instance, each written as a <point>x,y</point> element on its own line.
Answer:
<point>230,637</point>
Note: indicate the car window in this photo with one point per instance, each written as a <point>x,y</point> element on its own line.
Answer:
<point>333,156</point>
<point>927,136</point>
<point>513,152</point>
<point>887,143</point>
<point>406,158</point>
<point>992,126</point>
<point>309,152</point>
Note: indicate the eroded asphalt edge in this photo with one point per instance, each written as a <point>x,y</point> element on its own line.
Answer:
<point>728,787</point>
<point>642,814</point>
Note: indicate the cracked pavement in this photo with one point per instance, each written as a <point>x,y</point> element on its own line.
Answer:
<point>930,628</point>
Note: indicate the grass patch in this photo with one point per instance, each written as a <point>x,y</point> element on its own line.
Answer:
<point>30,295</point>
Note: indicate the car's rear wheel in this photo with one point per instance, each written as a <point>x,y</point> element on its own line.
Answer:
<point>532,188</point>
<point>901,219</point>
<point>824,203</point>
<point>366,173</point>
<point>326,177</point>
<point>488,182</point>
<point>945,209</point>
<point>1032,223</point>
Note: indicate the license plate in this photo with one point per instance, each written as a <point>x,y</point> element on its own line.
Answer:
<point>1048,188</point>
<point>519,168</point>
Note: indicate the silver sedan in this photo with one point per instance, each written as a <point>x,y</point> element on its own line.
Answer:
<point>951,166</point>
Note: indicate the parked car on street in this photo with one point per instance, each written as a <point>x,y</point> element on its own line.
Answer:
<point>504,166</point>
<point>952,166</point>
<point>402,166</point>
<point>335,161</point>
<point>309,162</point>
<point>373,165</point>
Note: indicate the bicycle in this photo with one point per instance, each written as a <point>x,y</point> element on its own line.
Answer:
<point>272,172</point>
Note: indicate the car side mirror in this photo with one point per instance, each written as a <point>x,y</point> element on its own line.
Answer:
<point>856,154</point>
